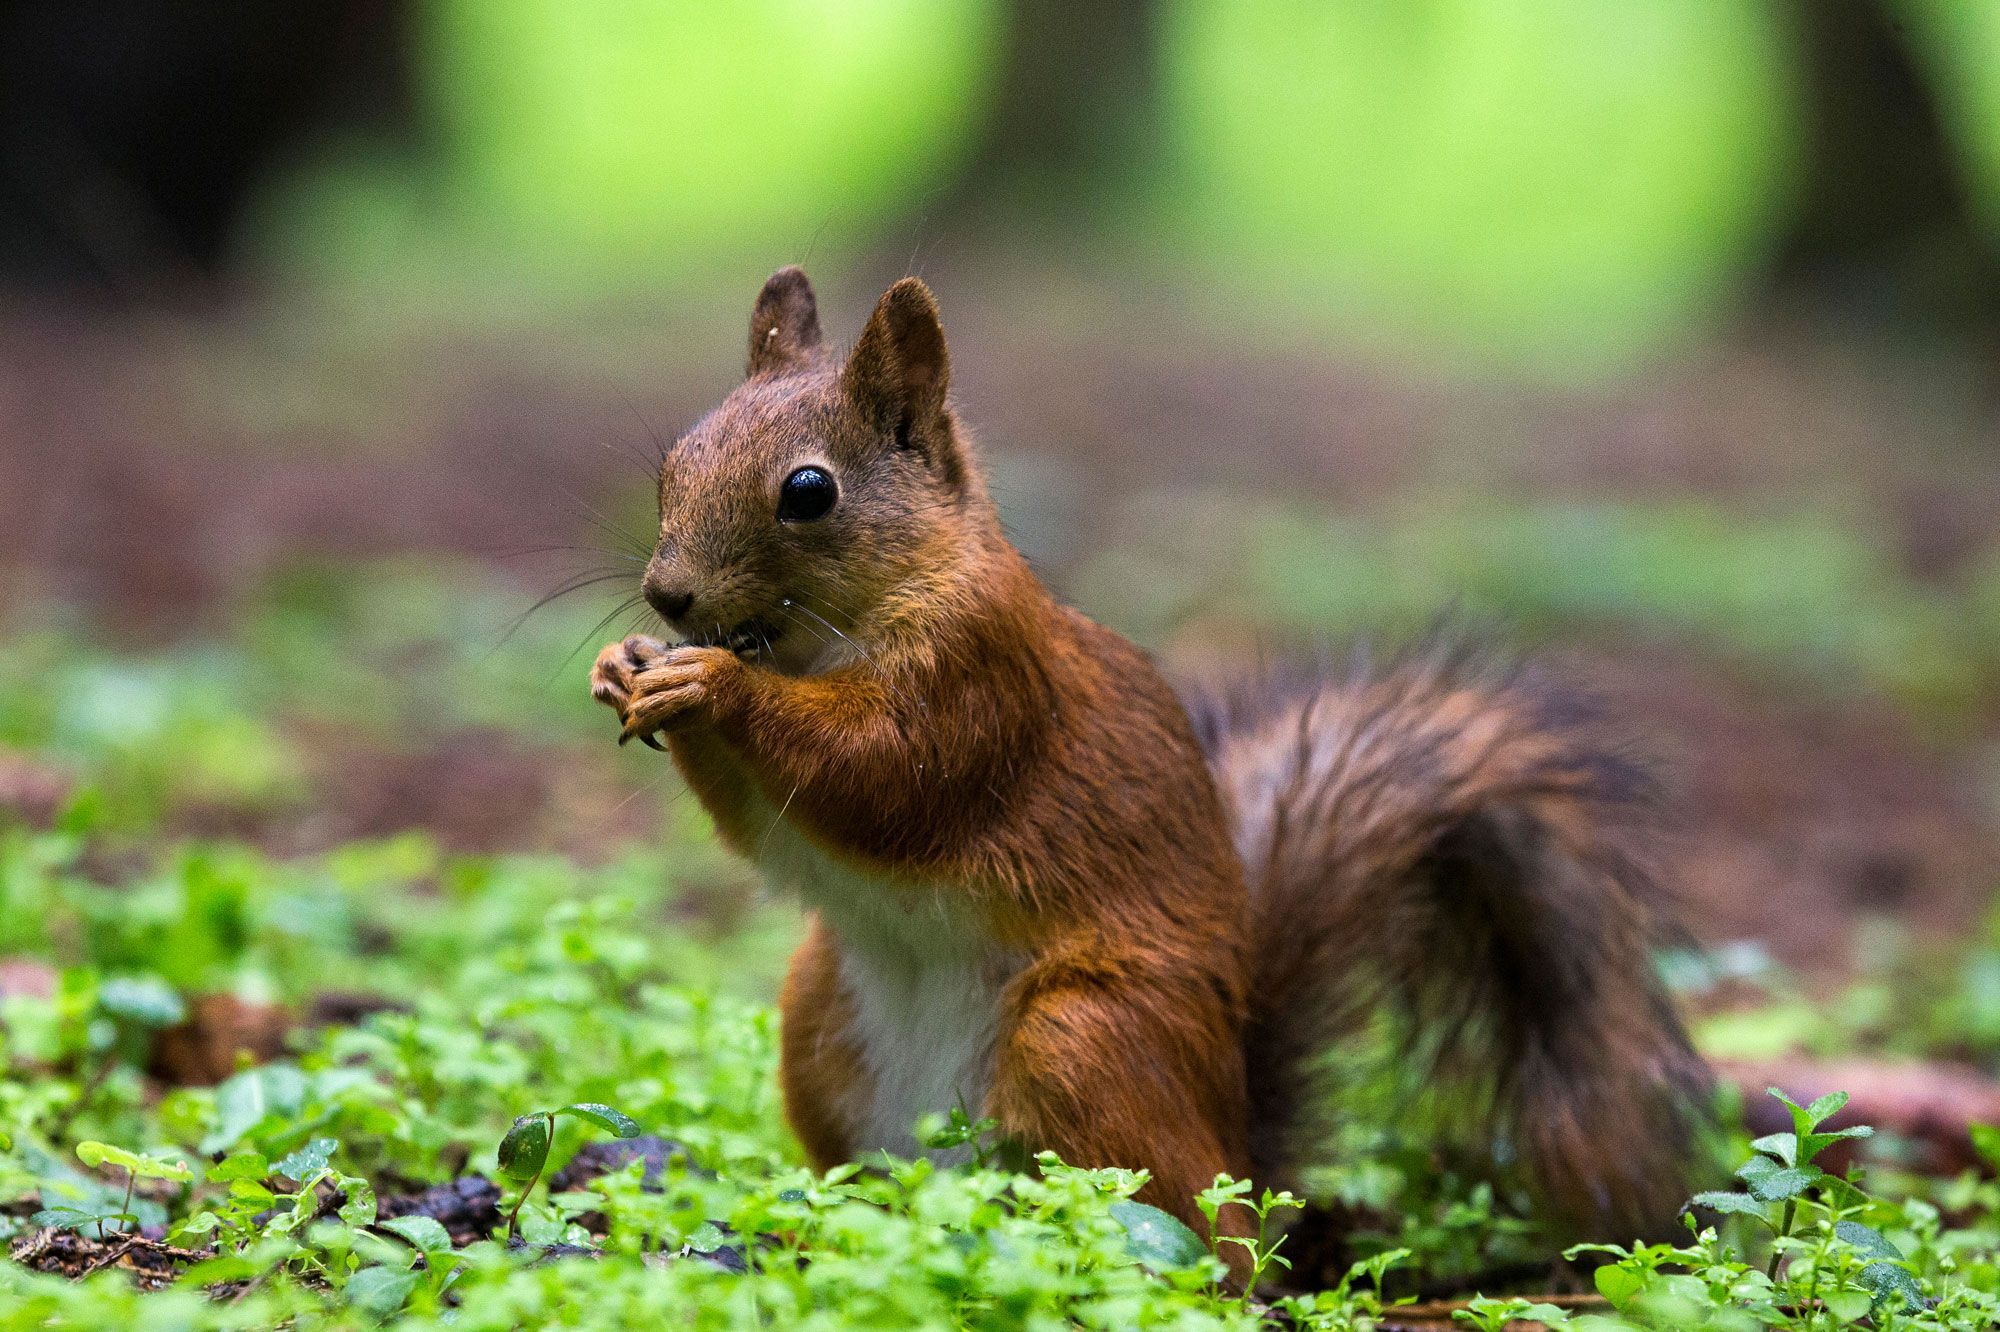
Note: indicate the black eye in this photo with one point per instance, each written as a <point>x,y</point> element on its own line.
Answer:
<point>807,494</point>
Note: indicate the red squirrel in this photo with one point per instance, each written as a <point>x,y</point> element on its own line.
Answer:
<point>1122,922</point>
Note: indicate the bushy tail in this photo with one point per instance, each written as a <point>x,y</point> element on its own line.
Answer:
<point>1455,845</point>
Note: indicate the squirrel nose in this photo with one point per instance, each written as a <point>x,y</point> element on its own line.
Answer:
<point>670,602</point>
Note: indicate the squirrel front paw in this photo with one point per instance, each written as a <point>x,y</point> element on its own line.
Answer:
<point>612,674</point>
<point>678,687</point>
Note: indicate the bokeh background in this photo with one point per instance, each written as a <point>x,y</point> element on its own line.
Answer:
<point>1659,336</point>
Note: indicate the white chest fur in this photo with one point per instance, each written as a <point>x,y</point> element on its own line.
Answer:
<point>924,982</point>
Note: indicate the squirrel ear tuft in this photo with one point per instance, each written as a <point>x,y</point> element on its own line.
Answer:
<point>784,325</point>
<point>898,372</point>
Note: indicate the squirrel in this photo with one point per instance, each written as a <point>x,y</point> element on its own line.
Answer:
<point>1123,922</point>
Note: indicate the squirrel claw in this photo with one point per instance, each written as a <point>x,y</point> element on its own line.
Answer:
<point>646,738</point>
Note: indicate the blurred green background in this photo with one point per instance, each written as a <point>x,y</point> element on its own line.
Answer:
<point>1656,335</point>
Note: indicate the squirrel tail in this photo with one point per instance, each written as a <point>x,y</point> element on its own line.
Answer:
<point>1454,845</point>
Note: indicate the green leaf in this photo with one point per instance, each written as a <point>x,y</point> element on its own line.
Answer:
<point>1734,1204</point>
<point>96,1154</point>
<point>1158,1239</point>
<point>604,1117</point>
<point>1849,1306</point>
<point>380,1291</point>
<point>1757,1167</point>
<point>1778,1185</point>
<point>525,1149</point>
<point>1784,1146</point>
<point>243,1101</point>
<point>1888,1280</point>
<point>146,1000</point>
<point>1867,1239</point>
<point>201,1223</point>
<point>1620,1284</point>
<point>243,1165</point>
<point>706,1238</point>
<point>359,1209</point>
<point>424,1232</point>
<point>71,1218</point>
<point>253,1192</point>
<point>1815,1143</point>
<point>1826,1107</point>
<point>1986,1141</point>
<point>308,1160</point>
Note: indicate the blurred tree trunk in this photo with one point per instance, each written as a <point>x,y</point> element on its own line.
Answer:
<point>1884,229</point>
<point>1076,95</point>
<point>133,132</point>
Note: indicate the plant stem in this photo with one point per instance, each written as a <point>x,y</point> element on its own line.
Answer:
<point>133,1221</point>
<point>1791,1209</point>
<point>530,1186</point>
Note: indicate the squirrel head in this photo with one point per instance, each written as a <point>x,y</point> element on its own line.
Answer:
<point>820,494</point>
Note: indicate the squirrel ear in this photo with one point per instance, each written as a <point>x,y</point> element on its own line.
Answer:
<point>898,372</point>
<point>784,326</point>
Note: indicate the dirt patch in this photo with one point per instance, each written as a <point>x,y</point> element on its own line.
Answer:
<point>151,1264</point>
<point>1796,818</point>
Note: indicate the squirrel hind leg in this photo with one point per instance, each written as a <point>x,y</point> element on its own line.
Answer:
<point>1449,849</point>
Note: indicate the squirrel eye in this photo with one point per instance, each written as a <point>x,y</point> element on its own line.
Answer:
<point>807,494</point>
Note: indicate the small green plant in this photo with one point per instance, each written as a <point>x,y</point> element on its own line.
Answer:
<point>136,1165</point>
<point>1830,1262</point>
<point>524,1152</point>
<point>1783,1172</point>
<point>1262,1247</point>
<point>960,1129</point>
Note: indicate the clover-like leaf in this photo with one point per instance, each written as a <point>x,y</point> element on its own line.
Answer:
<point>618,1122</point>
<point>525,1149</point>
<point>1158,1239</point>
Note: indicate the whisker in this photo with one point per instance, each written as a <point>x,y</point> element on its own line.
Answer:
<point>589,636</point>
<point>553,547</point>
<point>659,444</point>
<point>792,616</point>
<point>576,584</point>
<point>597,518</point>
<point>638,460</point>
<point>881,675</point>
<point>789,603</point>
